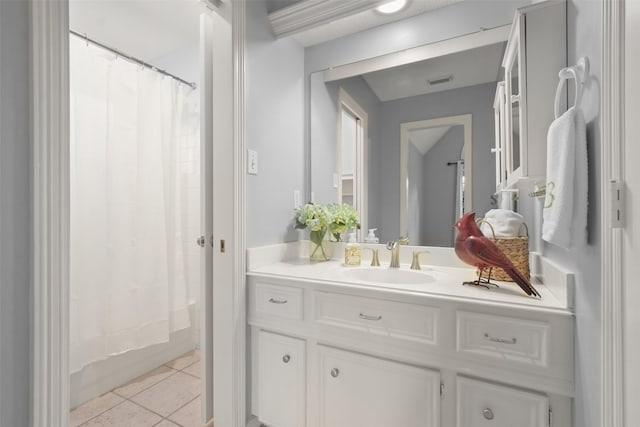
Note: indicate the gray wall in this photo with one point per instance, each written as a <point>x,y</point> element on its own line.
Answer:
<point>584,29</point>
<point>275,129</point>
<point>15,215</point>
<point>440,193</point>
<point>475,100</point>
<point>583,39</point>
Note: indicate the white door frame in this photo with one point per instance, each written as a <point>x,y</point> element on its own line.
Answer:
<point>613,249</point>
<point>49,33</point>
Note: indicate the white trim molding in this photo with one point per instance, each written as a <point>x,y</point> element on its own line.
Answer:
<point>612,253</point>
<point>240,272</point>
<point>308,14</point>
<point>420,53</point>
<point>50,115</point>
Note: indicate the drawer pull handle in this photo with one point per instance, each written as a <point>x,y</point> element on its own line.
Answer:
<point>286,358</point>
<point>335,372</point>
<point>487,413</point>
<point>500,340</point>
<point>374,318</point>
<point>277,301</point>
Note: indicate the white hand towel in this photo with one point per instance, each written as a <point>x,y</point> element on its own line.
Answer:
<point>581,187</point>
<point>565,205</point>
<point>505,223</point>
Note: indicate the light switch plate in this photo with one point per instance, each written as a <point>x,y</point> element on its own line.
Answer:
<point>252,162</point>
<point>296,199</point>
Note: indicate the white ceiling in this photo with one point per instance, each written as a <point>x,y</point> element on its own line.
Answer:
<point>425,139</point>
<point>468,68</point>
<point>145,29</point>
<point>365,20</point>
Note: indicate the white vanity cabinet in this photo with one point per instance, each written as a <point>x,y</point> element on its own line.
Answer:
<point>359,390</point>
<point>484,404</point>
<point>281,379</point>
<point>536,51</point>
<point>328,354</point>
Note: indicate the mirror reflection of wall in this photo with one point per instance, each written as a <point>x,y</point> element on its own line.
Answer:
<point>435,172</point>
<point>456,84</point>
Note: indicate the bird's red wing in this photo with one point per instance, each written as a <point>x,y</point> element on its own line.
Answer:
<point>486,251</point>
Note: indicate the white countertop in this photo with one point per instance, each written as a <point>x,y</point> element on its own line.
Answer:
<point>440,281</point>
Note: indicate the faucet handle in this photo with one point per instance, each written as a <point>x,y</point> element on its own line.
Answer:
<point>375,260</point>
<point>415,262</point>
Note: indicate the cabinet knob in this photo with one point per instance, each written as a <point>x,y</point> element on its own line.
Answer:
<point>335,372</point>
<point>487,413</point>
<point>286,358</point>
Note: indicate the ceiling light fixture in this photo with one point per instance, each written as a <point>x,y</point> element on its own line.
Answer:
<point>392,7</point>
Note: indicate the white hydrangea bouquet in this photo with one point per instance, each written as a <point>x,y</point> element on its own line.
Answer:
<point>334,218</point>
<point>343,218</point>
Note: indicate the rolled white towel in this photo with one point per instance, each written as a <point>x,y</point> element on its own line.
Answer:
<point>505,223</point>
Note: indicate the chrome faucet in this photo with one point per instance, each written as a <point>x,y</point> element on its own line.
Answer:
<point>394,247</point>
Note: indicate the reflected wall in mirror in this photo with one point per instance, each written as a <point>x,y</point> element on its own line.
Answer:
<point>457,80</point>
<point>434,190</point>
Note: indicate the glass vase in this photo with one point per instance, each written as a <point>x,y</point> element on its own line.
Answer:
<point>319,247</point>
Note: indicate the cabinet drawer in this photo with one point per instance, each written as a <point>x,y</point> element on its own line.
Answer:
<point>281,301</point>
<point>281,380</point>
<point>483,404</point>
<point>386,318</point>
<point>505,338</point>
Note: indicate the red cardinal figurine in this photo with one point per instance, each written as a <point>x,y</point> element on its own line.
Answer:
<point>475,249</point>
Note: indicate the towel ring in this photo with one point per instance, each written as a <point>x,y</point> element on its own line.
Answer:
<point>579,74</point>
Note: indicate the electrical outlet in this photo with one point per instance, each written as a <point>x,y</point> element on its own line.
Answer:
<point>296,199</point>
<point>252,162</point>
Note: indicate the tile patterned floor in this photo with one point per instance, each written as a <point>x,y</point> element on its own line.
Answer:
<point>168,396</point>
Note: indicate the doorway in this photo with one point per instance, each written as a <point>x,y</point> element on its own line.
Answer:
<point>137,198</point>
<point>436,178</point>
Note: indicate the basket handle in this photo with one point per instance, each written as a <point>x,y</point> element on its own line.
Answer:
<point>482,220</point>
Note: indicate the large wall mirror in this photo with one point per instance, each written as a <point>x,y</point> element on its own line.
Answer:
<point>424,156</point>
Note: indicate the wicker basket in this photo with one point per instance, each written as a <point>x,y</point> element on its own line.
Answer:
<point>515,248</point>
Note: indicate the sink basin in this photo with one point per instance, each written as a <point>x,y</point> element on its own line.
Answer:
<point>389,276</point>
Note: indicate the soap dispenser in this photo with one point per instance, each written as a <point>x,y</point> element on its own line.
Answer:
<point>352,255</point>
<point>371,237</point>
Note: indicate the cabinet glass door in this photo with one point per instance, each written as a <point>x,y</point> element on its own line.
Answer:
<point>500,125</point>
<point>515,106</point>
<point>514,97</point>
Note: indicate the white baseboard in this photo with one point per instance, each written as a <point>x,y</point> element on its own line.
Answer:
<point>253,422</point>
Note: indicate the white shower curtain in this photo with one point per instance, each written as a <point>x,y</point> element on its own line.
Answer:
<point>133,171</point>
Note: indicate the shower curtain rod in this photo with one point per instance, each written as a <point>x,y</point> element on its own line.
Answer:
<point>131,58</point>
